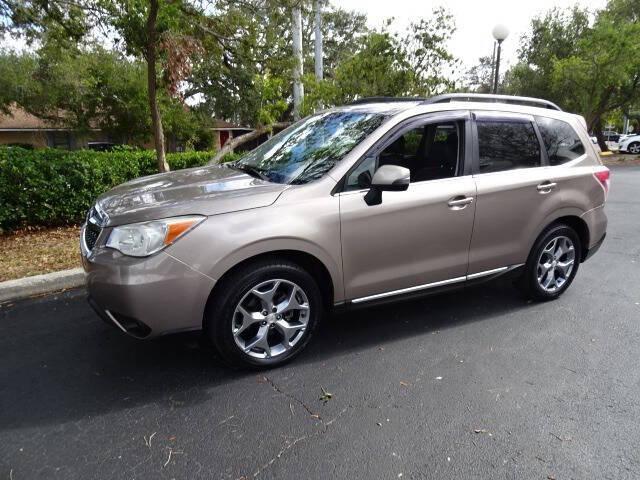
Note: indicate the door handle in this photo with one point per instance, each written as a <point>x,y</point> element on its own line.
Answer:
<point>546,187</point>
<point>459,202</point>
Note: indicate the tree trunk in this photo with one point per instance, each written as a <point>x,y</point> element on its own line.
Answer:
<point>298,88</point>
<point>594,125</point>
<point>318,41</point>
<point>598,131</point>
<point>152,87</point>
<point>234,143</point>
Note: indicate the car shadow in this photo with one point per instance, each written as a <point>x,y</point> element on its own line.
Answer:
<point>77,367</point>
<point>365,328</point>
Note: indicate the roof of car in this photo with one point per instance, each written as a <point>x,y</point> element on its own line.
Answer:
<point>391,105</point>
<point>407,107</point>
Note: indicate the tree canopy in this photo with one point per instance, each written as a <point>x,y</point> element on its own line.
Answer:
<point>139,67</point>
<point>588,63</point>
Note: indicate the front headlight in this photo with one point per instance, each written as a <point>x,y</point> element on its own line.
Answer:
<point>144,239</point>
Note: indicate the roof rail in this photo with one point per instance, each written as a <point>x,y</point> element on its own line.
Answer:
<point>489,98</point>
<point>365,100</point>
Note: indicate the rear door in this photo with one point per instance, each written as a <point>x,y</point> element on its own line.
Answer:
<point>515,189</point>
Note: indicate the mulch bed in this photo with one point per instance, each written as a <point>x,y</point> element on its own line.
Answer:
<point>24,253</point>
<point>621,159</point>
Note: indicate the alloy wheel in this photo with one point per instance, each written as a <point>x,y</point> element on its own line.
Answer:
<point>634,147</point>
<point>555,264</point>
<point>271,318</point>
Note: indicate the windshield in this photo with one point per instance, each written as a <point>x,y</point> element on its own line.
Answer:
<point>309,149</point>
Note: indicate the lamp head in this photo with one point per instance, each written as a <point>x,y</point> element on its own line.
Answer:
<point>500,32</point>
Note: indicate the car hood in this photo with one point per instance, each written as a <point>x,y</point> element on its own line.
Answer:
<point>209,190</point>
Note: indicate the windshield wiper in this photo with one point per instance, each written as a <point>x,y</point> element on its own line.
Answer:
<point>253,171</point>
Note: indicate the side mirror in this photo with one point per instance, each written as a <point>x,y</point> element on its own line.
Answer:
<point>364,179</point>
<point>390,178</point>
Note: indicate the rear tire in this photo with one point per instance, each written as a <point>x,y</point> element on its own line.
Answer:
<point>264,314</point>
<point>552,264</point>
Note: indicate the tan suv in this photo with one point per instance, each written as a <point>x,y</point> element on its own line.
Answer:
<point>374,201</point>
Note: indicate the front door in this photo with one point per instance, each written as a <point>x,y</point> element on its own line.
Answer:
<point>415,239</point>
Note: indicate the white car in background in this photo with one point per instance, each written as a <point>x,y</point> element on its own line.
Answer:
<point>630,144</point>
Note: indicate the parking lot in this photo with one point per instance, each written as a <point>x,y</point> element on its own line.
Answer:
<point>474,384</point>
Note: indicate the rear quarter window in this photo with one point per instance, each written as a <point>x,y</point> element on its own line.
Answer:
<point>560,139</point>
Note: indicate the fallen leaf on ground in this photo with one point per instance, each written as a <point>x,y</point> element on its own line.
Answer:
<point>404,384</point>
<point>326,396</point>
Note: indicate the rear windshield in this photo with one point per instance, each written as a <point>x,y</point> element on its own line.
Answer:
<point>310,148</point>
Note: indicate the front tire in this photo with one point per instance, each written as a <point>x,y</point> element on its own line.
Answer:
<point>552,264</point>
<point>264,314</point>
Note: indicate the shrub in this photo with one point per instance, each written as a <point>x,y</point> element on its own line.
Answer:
<point>231,157</point>
<point>56,187</point>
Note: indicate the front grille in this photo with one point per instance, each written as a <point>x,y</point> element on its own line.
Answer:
<point>91,233</point>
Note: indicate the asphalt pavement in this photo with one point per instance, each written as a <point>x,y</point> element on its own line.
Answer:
<point>473,384</point>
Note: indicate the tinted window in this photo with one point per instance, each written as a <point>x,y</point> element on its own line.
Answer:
<point>310,148</point>
<point>560,139</point>
<point>430,151</point>
<point>507,145</point>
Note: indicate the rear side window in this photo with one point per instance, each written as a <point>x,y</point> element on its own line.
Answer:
<point>560,140</point>
<point>507,145</point>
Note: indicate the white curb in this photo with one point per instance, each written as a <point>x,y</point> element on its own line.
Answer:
<point>39,284</point>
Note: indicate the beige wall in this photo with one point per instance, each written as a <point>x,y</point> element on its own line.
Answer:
<point>37,139</point>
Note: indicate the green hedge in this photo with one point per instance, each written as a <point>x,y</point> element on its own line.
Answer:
<point>56,187</point>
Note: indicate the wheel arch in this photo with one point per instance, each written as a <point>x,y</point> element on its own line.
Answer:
<point>582,229</point>
<point>577,224</point>
<point>311,263</point>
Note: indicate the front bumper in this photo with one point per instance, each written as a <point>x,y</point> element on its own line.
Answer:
<point>145,297</point>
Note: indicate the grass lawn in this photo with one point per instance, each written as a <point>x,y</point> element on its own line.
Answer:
<point>31,252</point>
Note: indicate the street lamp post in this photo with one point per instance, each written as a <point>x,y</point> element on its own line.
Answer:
<point>500,33</point>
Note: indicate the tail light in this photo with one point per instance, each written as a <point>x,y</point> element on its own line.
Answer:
<point>603,176</point>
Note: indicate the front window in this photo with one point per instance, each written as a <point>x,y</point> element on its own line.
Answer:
<point>309,149</point>
<point>431,151</point>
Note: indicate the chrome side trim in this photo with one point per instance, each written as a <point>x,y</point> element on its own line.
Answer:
<point>426,286</point>
<point>112,318</point>
<point>409,289</point>
<point>487,272</point>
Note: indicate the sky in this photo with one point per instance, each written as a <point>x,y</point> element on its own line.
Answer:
<point>474,20</point>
